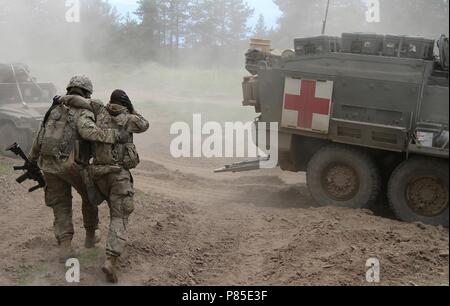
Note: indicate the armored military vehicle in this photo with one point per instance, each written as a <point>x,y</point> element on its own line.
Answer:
<point>363,115</point>
<point>23,103</point>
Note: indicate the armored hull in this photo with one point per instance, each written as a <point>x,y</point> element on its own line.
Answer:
<point>364,119</point>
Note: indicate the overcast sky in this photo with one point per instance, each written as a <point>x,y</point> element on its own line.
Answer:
<point>265,7</point>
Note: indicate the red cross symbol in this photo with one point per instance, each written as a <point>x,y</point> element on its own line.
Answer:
<point>307,104</point>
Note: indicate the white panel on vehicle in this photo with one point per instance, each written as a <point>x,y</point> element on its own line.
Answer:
<point>321,122</point>
<point>324,90</point>
<point>290,118</point>
<point>292,86</point>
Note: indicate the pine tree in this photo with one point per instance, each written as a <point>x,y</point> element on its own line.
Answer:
<point>150,23</point>
<point>260,30</point>
<point>219,22</point>
<point>164,21</point>
<point>99,28</point>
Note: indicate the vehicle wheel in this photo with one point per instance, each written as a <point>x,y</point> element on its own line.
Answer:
<point>343,176</point>
<point>10,134</point>
<point>418,192</point>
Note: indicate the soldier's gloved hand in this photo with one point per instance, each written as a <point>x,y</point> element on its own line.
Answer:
<point>120,97</point>
<point>123,136</point>
<point>128,105</point>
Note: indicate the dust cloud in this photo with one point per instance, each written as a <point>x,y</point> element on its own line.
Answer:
<point>179,53</point>
<point>191,226</point>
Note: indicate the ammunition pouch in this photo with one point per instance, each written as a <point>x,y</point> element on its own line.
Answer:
<point>130,156</point>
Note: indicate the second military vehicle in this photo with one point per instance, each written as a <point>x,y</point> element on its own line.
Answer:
<point>363,115</point>
<point>23,103</point>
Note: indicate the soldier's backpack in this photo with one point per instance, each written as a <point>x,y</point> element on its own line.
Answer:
<point>60,134</point>
<point>125,155</point>
<point>58,140</point>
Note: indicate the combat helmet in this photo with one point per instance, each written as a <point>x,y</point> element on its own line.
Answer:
<point>81,81</point>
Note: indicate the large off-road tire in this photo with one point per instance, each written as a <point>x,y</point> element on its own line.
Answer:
<point>9,134</point>
<point>342,176</point>
<point>418,191</point>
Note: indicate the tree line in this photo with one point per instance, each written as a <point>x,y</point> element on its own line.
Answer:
<point>203,32</point>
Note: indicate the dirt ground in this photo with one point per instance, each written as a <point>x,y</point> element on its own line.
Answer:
<point>193,227</point>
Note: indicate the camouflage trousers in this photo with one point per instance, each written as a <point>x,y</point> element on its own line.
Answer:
<point>117,188</point>
<point>58,196</point>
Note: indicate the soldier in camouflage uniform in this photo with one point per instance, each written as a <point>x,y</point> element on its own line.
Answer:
<point>111,172</point>
<point>61,150</point>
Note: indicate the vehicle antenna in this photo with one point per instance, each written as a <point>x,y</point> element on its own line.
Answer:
<point>326,17</point>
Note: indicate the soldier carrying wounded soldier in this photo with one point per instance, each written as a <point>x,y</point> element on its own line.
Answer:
<point>88,146</point>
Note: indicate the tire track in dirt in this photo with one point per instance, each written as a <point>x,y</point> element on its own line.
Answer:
<point>264,231</point>
<point>235,216</point>
<point>197,230</point>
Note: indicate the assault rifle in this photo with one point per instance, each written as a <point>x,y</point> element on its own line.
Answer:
<point>32,171</point>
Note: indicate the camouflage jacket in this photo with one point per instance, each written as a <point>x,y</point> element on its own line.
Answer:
<point>117,117</point>
<point>86,131</point>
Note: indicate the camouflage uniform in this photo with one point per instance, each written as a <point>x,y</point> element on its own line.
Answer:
<point>111,171</point>
<point>62,166</point>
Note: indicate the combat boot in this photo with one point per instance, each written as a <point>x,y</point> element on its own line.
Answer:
<point>110,269</point>
<point>92,238</point>
<point>66,251</point>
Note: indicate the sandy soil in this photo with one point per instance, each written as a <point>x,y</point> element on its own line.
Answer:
<point>192,227</point>
<point>250,230</point>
